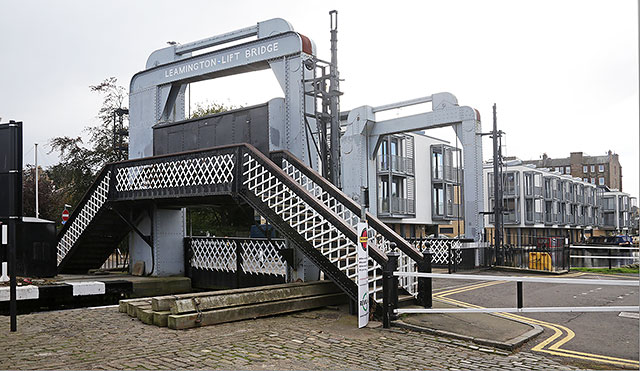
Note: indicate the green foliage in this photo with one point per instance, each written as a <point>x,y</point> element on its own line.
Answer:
<point>79,163</point>
<point>50,202</point>
<point>210,108</point>
<point>220,221</point>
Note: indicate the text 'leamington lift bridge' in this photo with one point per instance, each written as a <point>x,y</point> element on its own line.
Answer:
<point>286,159</point>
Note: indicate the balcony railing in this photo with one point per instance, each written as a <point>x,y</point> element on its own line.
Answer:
<point>396,205</point>
<point>398,164</point>
<point>510,218</point>
<point>550,218</point>
<point>608,204</point>
<point>609,220</point>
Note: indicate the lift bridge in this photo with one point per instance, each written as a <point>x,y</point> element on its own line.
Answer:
<point>274,157</point>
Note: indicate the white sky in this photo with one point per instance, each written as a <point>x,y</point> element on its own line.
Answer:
<point>563,73</point>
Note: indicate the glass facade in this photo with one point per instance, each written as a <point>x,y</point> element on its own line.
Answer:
<point>396,179</point>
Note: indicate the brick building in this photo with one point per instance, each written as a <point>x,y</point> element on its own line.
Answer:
<point>599,170</point>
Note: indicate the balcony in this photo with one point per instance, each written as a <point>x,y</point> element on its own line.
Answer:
<point>398,164</point>
<point>510,218</point>
<point>560,218</point>
<point>608,204</point>
<point>550,218</point>
<point>609,220</point>
<point>396,205</point>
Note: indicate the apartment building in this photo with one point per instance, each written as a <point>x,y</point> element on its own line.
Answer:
<point>615,207</point>
<point>599,170</point>
<point>539,202</point>
<point>419,185</point>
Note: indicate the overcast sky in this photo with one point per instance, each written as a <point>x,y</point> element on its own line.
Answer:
<point>563,73</point>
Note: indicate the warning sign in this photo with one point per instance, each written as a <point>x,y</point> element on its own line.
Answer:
<point>363,275</point>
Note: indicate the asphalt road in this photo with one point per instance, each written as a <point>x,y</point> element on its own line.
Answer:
<point>593,338</point>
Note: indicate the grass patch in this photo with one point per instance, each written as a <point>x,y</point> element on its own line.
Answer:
<point>607,270</point>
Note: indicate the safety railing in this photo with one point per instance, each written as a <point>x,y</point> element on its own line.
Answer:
<point>234,262</point>
<point>379,234</point>
<point>390,300</point>
<point>603,256</point>
<point>118,260</point>
<point>83,214</point>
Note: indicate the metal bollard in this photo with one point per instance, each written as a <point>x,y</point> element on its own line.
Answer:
<point>390,288</point>
<point>425,288</point>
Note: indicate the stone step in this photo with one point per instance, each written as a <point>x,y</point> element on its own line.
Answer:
<point>183,306</point>
<point>163,303</point>
<point>212,317</point>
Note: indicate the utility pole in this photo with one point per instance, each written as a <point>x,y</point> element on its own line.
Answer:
<point>36,160</point>
<point>497,189</point>
<point>334,104</point>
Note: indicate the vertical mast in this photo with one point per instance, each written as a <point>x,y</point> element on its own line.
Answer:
<point>36,154</point>
<point>334,95</point>
<point>497,188</point>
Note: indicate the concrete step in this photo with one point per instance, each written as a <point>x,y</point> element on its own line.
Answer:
<point>253,297</point>
<point>190,320</point>
<point>163,303</point>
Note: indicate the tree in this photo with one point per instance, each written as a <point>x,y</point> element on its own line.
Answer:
<point>50,201</point>
<point>79,164</point>
<point>210,108</point>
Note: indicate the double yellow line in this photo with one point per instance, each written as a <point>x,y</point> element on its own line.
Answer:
<point>550,345</point>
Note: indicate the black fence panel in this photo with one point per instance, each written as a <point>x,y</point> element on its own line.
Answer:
<point>214,263</point>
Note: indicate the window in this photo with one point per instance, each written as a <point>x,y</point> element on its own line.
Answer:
<point>601,168</point>
<point>567,169</point>
<point>438,199</point>
<point>593,168</point>
<point>585,179</point>
<point>561,170</point>
<point>437,165</point>
<point>384,155</point>
<point>601,181</point>
<point>528,184</point>
<point>585,168</point>
<point>529,211</point>
<point>593,180</point>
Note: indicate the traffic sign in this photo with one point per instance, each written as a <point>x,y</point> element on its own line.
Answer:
<point>65,216</point>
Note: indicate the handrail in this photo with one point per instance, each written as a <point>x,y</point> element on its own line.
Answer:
<point>85,197</point>
<point>379,256</point>
<point>351,205</point>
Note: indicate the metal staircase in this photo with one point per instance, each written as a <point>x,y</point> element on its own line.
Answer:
<point>302,205</point>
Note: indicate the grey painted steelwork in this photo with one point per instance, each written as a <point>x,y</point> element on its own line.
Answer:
<point>246,125</point>
<point>157,96</point>
<point>362,138</point>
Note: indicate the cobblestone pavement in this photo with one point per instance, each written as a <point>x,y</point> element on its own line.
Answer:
<point>322,339</point>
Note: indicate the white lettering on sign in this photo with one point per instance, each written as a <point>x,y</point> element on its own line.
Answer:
<point>220,60</point>
<point>260,50</point>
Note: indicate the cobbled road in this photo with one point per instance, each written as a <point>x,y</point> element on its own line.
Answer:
<point>103,338</point>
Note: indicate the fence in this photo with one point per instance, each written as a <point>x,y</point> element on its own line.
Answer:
<point>117,261</point>
<point>214,262</point>
<point>451,253</point>
<point>603,256</point>
<point>390,299</point>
